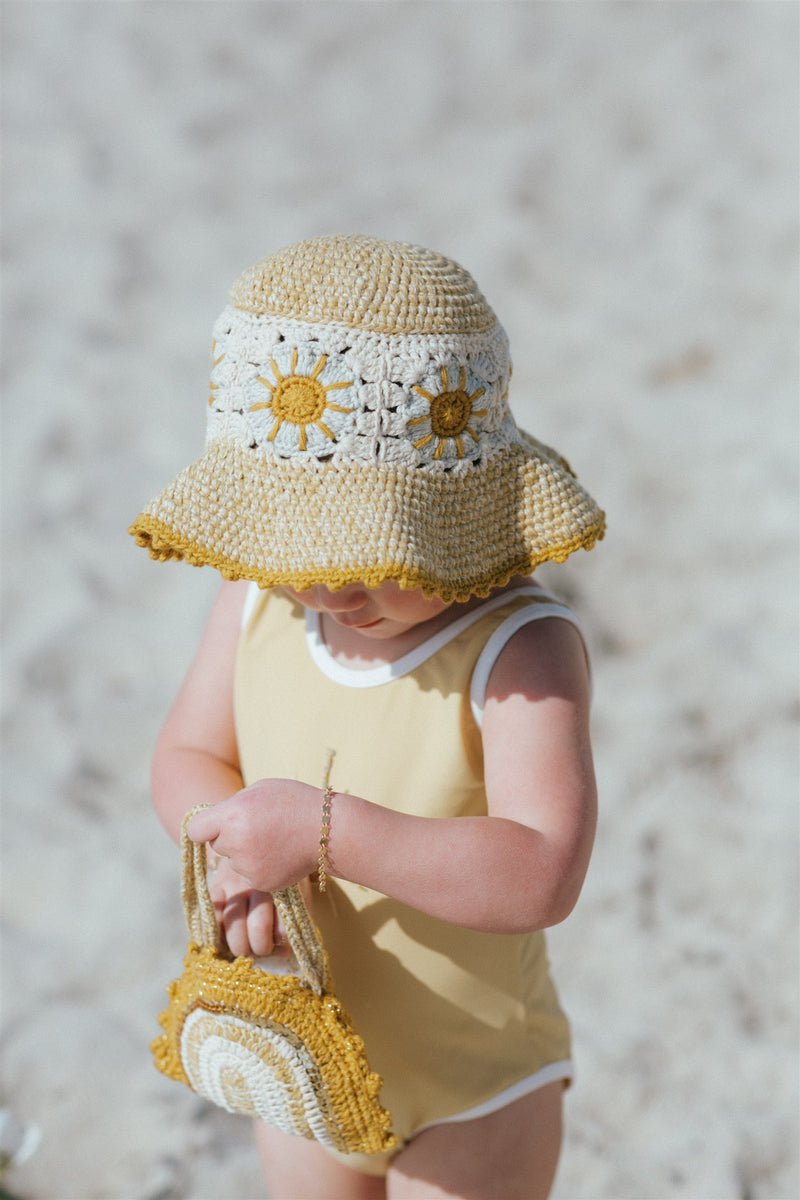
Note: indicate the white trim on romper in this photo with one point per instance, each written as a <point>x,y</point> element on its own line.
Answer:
<point>549,1074</point>
<point>250,599</point>
<point>386,672</point>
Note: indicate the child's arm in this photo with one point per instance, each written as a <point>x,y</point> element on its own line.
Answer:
<point>196,759</point>
<point>196,762</point>
<point>517,869</point>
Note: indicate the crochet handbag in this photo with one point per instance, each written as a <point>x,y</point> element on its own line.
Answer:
<point>275,1046</point>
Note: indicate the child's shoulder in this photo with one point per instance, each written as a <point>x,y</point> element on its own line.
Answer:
<point>526,628</point>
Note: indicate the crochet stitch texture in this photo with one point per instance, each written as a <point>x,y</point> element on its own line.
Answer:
<point>359,430</point>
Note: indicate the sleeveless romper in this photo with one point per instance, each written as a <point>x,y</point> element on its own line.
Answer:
<point>457,1022</point>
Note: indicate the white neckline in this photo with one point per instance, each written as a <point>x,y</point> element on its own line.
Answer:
<point>386,672</point>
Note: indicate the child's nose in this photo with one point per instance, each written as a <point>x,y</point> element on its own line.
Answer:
<point>346,599</point>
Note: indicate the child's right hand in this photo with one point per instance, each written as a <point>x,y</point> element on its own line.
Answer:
<point>248,918</point>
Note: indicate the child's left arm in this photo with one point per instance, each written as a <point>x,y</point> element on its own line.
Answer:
<point>519,868</point>
<point>538,764</point>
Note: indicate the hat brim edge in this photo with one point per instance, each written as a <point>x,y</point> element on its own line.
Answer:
<point>165,544</point>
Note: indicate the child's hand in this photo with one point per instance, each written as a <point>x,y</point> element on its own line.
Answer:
<point>248,918</point>
<point>268,833</point>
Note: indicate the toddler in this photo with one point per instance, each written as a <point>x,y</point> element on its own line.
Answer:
<point>377,516</point>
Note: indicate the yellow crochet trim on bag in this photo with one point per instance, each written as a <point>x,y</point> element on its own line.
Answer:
<point>267,1045</point>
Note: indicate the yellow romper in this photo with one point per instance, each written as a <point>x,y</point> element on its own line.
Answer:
<point>458,1023</point>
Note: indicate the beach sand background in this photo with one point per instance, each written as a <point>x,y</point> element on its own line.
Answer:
<point>622,180</point>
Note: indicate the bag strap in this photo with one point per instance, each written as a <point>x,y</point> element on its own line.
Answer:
<point>204,930</point>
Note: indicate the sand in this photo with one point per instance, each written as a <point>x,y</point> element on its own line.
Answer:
<point>622,179</point>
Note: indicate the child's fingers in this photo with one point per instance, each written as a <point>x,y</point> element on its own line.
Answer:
<point>245,915</point>
<point>234,922</point>
<point>260,924</point>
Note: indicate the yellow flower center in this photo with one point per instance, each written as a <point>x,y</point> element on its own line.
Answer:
<point>299,399</point>
<point>450,412</point>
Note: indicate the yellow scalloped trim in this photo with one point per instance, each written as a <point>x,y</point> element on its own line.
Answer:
<point>165,543</point>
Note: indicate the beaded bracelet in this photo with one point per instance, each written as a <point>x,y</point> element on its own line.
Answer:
<point>324,838</point>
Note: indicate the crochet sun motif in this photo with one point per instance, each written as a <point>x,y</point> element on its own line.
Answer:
<point>301,399</point>
<point>450,413</point>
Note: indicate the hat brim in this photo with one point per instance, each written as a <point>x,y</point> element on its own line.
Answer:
<point>283,522</point>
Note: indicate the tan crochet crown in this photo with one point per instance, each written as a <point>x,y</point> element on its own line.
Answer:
<point>359,430</point>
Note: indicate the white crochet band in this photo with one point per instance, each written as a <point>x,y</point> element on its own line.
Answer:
<point>368,389</point>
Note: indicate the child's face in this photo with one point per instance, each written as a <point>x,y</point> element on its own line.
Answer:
<point>382,612</point>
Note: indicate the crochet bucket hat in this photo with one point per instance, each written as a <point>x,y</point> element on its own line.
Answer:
<point>359,430</point>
